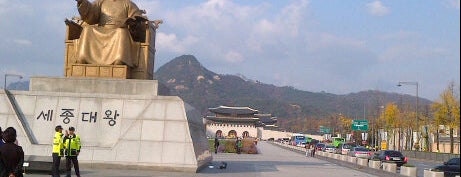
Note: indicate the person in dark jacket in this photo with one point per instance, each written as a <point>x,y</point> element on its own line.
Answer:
<point>313,149</point>
<point>11,155</point>
<point>1,139</point>
<point>216,145</point>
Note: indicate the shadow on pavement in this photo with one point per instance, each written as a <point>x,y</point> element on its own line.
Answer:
<point>254,166</point>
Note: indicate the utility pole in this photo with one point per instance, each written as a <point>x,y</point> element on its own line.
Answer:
<point>452,140</point>
<point>417,116</point>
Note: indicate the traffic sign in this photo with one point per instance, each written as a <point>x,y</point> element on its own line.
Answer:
<point>384,145</point>
<point>324,129</point>
<point>360,125</point>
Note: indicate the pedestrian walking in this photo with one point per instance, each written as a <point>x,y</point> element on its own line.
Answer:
<point>216,145</point>
<point>58,151</point>
<point>313,149</point>
<point>238,145</point>
<point>11,155</point>
<point>72,148</point>
<point>308,149</point>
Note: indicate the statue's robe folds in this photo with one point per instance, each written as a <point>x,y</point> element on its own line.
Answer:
<point>105,38</point>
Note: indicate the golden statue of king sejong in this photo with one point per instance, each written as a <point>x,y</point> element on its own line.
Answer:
<point>111,39</point>
<point>107,39</point>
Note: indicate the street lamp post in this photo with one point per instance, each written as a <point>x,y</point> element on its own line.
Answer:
<point>6,75</point>
<point>384,128</point>
<point>417,116</point>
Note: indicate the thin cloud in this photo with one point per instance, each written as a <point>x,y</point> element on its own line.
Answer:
<point>412,52</point>
<point>233,57</point>
<point>400,35</point>
<point>377,8</point>
<point>408,46</point>
<point>13,71</point>
<point>22,41</point>
<point>171,43</point>
<point>452,4</point>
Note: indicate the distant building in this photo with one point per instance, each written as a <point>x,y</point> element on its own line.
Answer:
<point>232,122</point>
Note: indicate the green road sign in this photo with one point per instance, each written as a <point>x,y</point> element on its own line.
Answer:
<point>325,129</point>
<point>360,125</point>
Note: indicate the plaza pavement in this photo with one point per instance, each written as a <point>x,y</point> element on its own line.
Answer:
<point>272,161</point>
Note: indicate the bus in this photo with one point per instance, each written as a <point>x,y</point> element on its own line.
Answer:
<point>337,141</point>
<point>298,140</point>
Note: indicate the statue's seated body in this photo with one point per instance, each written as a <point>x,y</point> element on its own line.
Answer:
<point>111,39</point>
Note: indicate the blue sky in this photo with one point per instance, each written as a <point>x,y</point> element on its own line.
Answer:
<point>334,46</point>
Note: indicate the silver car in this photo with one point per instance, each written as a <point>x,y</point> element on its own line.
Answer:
<point>360,152</point>
<point>330,148</point>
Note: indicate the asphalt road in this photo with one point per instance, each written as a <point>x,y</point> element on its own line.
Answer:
<point>273,161</point>
<point>423,164</point>
<point>420,164</point>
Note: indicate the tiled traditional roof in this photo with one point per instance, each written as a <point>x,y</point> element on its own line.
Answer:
<point>267,119</point>
<point>233,119</point>
<point>233,110</point>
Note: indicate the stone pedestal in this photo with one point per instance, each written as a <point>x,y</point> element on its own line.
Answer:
<point>343,157</point>
<point>122,123</point>
<point>428,173</point>
<point>128,87</point>
<point>362,162</point>
<point>408,171</point>
<point>337,156</point>
<point>374,164</point>
<point>390,167</point>
<point>352,159</point>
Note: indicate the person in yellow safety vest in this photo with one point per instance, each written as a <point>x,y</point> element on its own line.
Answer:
<point>72,147</point>
<point>58,150</point>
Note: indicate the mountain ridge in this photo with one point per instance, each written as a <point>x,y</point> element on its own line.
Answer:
<point>202,88</point>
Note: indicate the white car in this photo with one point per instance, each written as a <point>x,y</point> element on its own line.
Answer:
<point>330,148</point>
<point>360,152</point>
<point>346,147</point>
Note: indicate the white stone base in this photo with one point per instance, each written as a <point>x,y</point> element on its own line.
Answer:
<point>362,162</point>
<point>343,158</point>
<point>390,167</point>
<point>337,156</point>
<point>93,85</point>
<point>428,173</point>
<point>135,131</point>
<point>374,164</point>
<point>352,159</point>
<point>408,171</point>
